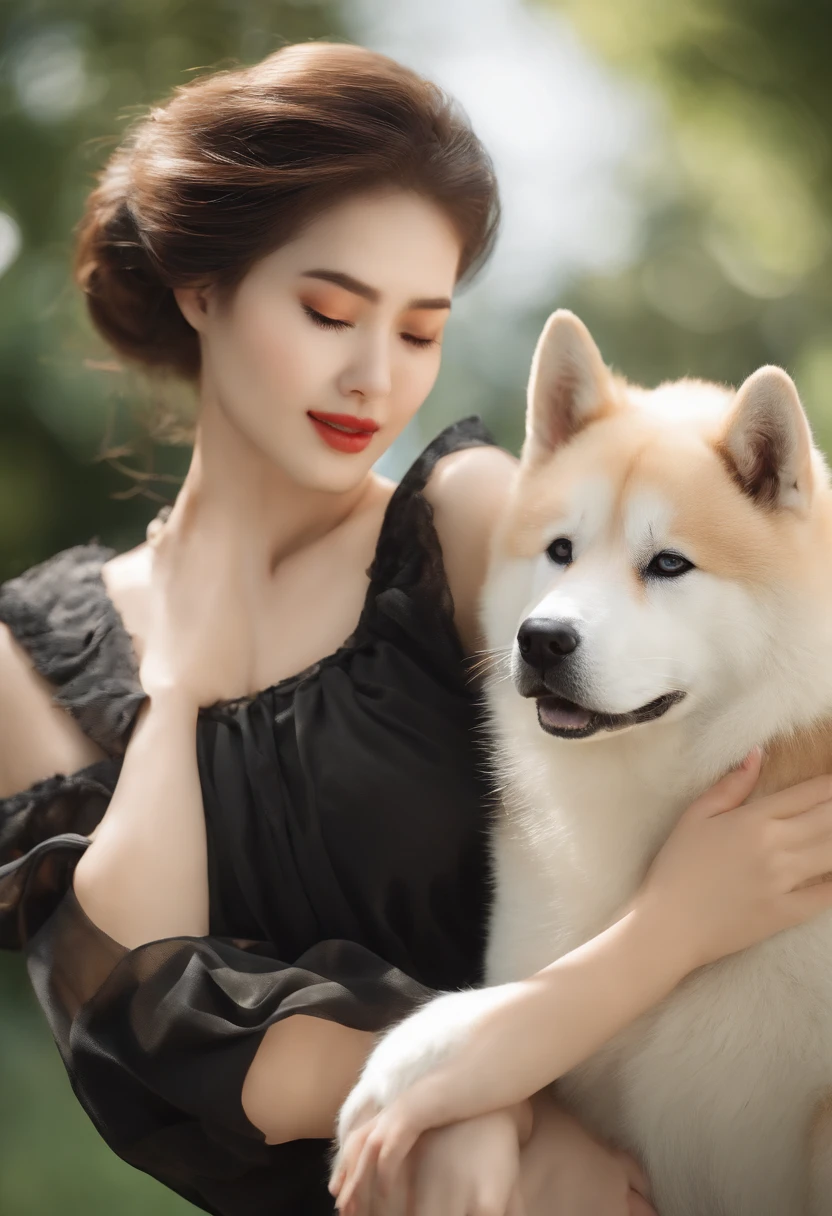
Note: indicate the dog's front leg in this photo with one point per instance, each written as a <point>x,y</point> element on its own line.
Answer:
<point>410,1050</point>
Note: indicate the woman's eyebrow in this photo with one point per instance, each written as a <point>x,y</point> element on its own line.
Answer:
<point>370,293</point>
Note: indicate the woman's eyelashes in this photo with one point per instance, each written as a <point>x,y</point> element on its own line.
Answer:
<point>333,323</point>
<point>420,343</point>
<point>325,322</point>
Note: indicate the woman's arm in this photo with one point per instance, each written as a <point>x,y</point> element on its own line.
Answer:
<point>511,1039</point>
<point>197,650</point>
<point>136,891</point>
<point>722,882</point>
<point>301,1075</point>
<point>129,885</point>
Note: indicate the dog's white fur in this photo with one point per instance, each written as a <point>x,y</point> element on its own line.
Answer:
<point>723,1090</point>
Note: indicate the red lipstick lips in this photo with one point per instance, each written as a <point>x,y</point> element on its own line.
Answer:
<point>343,432</point>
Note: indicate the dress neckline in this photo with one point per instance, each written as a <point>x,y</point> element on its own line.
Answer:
<point>61,611</point>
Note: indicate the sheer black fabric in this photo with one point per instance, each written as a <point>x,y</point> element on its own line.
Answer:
<point>348,874</point>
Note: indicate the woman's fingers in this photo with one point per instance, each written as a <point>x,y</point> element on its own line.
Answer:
<point>803,847</point>
<point>810,902</point>
<point>797,799</point>
<point>810,830</point>
<point>735,787</point>
<point>731,790</point>
<point>397,1137</point>
<point>347,1154</point>
<point>363,1201</point>
<point>361,1118</point>
<point>398,1201</point>
<point>358,1161</point>
<point>376,1151</point>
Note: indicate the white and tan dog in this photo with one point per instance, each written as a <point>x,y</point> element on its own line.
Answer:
<point>663,585</point>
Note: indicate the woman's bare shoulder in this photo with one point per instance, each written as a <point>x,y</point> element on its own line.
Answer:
<point>469,492</point>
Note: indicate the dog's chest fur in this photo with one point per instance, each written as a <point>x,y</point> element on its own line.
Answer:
<point>716,1089</point>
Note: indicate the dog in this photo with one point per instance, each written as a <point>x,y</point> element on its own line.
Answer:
<point>660,601</point>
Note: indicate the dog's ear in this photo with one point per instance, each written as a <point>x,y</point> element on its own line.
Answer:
<point>767,444</point>
<point>569,385</point>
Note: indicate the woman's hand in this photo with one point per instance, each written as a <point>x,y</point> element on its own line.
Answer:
<point>565,1171</point>
<point>475,1168</point>
<point>725,881</point>
<point>470,1168</point>
<point>198,643</point>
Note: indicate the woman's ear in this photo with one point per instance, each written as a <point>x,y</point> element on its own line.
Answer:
<point>193,304</point>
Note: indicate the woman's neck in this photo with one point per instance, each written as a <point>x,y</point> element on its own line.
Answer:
<point>275,517</point>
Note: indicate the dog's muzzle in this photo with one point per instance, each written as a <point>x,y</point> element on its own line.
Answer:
<point>550,675</point>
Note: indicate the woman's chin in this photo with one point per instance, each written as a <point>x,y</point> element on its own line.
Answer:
<point>325,472</point>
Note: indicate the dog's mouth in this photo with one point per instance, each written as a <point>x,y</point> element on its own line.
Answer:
<point>568,720</point>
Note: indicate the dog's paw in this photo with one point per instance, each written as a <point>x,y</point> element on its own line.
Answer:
<point>409,1051</point>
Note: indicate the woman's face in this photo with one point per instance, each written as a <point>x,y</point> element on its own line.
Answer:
<point>330,344</point>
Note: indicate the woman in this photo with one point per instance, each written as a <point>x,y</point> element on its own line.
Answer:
<point>270,845</point>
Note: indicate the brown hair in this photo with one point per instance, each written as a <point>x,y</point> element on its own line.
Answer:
<point>234,165</point>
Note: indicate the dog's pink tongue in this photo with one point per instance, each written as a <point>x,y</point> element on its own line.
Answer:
<point>562,714</point>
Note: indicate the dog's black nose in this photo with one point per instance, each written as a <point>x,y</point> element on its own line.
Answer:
<point>543,642</point>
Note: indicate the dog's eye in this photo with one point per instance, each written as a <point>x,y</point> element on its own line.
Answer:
<point>669,565</point>
<point>560,551</point>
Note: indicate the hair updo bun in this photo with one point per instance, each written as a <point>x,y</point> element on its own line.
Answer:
<point>235,163</point>
<point>129,296</point>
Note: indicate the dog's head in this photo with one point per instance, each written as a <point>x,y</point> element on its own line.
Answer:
<point>661,552</point>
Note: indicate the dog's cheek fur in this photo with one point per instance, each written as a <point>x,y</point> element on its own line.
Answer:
<point>510,596</point>
<point>697,634</point>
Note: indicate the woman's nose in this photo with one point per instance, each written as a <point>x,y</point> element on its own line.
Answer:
<point>368,373</point>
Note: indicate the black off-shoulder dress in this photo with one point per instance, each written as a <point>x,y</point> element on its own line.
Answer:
<point>347,853</point>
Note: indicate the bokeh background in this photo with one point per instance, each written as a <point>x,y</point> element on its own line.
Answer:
<point>666,171</point>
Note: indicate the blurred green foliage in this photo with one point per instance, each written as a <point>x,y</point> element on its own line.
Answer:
<point>736,265</point>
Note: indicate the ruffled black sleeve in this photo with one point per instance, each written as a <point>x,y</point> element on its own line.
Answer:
<point>157,1041</point>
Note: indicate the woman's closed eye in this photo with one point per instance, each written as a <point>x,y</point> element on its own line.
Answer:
<point>420,343</point>
<point>324,322</point>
